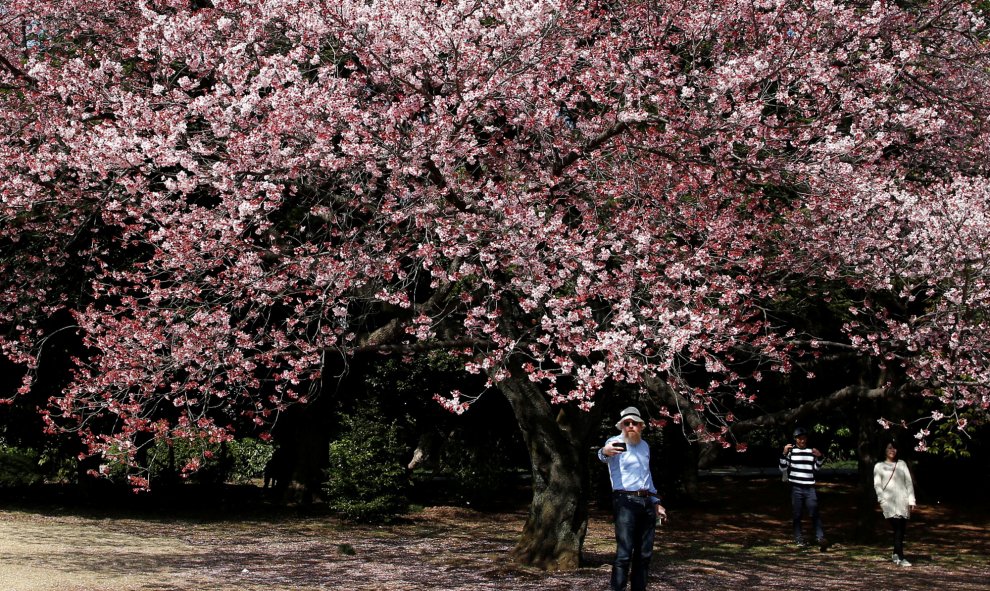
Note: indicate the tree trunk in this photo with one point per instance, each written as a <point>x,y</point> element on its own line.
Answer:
<point>303,438</point>
<point>554,532</point>
<point>690,455</point>
<point>866,458</point>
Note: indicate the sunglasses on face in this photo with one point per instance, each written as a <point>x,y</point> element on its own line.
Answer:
<point>629,423</point>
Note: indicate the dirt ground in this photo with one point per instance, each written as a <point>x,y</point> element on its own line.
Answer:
<point>735,537</point>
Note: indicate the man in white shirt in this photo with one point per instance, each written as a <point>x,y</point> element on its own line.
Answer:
<point>634,499</point>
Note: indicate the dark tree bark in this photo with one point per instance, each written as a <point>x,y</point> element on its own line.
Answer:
<point>866,438</point>
<point>818,406</point>
<point>698,455</point>
<point>302,434</point>
<point>556,438</point>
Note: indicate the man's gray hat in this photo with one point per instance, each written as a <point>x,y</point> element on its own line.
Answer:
<point>630,412</point>
<point>800,431</point>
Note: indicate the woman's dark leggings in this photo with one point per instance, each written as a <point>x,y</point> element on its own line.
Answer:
<point>899,525</point>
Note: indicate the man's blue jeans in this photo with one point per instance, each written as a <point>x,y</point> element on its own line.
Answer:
<point>804,497</point>
<point>635,524</point>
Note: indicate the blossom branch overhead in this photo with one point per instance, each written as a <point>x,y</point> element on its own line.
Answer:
<point>226,197</point>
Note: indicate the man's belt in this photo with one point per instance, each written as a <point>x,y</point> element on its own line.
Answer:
<point>636,493</point>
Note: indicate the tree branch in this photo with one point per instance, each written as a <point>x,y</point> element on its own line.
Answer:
<point>816,406</point>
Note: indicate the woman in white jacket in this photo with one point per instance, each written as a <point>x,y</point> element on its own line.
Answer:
<point>895,491</point>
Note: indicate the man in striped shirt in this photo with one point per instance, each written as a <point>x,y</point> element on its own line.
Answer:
<point>801,464</point>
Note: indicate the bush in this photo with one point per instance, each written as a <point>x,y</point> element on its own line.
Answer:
<point>247,459</point>
<point>58,462</point>
<point>366,480</point>
<point>166,460</point>
<point>481,475</point>
<point>19,467</point>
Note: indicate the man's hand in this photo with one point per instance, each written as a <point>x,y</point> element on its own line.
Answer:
<point>610,449</point>
<point>788,448</point>
<point>815,452</point>
<point>661,512</point>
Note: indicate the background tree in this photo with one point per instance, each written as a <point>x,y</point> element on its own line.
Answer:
<point>577,197</point>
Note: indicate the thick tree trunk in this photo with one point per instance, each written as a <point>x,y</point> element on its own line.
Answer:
<point>302,436</point>
<point>554,532</point>
<point>692,455</point>
<point>866,507</point>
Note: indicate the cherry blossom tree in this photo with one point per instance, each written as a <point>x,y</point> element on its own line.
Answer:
<point>580,198</point>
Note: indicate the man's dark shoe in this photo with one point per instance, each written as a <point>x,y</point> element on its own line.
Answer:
<point>824,545</point>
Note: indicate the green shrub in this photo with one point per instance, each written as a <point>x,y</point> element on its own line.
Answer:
<point>58,463</point>
<point>481,475</point>
<point>167,459</point>
<point>164,461</point>
<point>366,480</point>
<point>19,467</point>
<point>247,459</point>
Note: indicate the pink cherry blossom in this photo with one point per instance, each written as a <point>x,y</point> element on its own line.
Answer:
<point>224,195</point>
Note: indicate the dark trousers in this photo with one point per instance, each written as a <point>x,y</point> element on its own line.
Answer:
<point>635,524</point>
<point>899,525</point>
<point>803,498</point>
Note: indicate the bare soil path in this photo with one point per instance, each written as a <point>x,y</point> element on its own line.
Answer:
<point>735,538</point>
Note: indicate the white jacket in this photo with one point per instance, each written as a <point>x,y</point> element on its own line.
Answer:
<point>894,488</point>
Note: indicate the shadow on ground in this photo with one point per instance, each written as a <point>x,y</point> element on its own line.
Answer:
<point>735,536</point>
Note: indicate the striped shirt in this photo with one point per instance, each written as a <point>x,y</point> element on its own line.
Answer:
<point>801,466</point>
